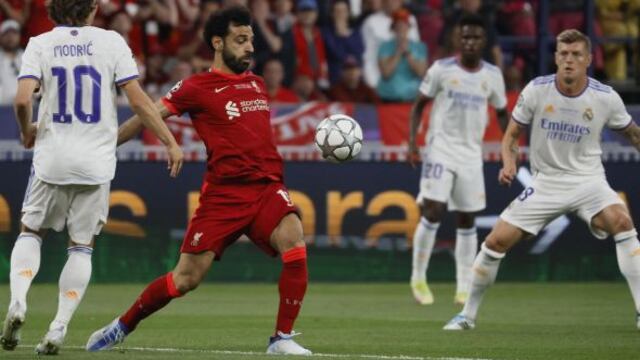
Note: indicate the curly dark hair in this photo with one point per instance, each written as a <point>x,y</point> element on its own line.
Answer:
<point>70,12</point>
<point>218,23</point>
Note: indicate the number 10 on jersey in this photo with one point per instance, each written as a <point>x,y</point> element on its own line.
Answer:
<point>79,72</point>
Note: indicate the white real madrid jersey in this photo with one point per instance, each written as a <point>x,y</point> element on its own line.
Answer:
<point>78,69</point>
<point>459,114</point>
<point>566,131</point>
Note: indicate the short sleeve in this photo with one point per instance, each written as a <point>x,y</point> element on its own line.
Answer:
<point>126,68</point>
<point>31,67</point>
<point>618,118</point>
<point>431,83</point>
<point>525,107</point>
<point>182,98</point>
<point>498,97</point>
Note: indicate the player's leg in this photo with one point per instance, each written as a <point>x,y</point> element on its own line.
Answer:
<point>39,212</point>
<point>87,213</point>
<point>186,276</point>
<point>485,268</point>
<point>276,228</point>
<point>615,220</point>
<point>465,252</point>
<point>467,198</point>
<point>424,239</point>
<point>24,265</point>
<point>436,184</point>
<point>287,238</point>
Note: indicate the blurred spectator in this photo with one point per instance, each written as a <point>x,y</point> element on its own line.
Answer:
<point>618,18</point>
<point>402,61</point>
<point>273,75</point>
<point>306,89</point>
<point>122,24</point>
<point>10,60</point>
<point>12,9</point>
<point>369,7</point>
<point>283,15</point>
<point>156,76</point>
<point>36,18</point>
<point>341,39</point>
<point>179,71</point>
<point>227,3</point>
<point>375,30</point>
<point>492,51</point>
<point>431,23</point>
<point>352,87</point>
<point>194,48</point>
<point>269,42</point>
<point>311,59</point>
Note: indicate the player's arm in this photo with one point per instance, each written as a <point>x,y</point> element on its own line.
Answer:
<point>510,152</point>
<point>151,118</point>
<point>503,118</point>
<point>23,106</point>
<point>414,122</point>
<point>132,127</point>
<point>632,133</point>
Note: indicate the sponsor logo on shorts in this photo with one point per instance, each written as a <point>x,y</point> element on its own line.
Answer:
<point>196,239</point>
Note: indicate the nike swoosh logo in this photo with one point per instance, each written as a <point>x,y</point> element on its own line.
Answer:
<point>217,90</point>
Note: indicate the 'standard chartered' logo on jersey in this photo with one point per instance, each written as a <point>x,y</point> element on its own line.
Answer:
<point>232,110</point>
<point>587,115</point>
<point>196,239</point>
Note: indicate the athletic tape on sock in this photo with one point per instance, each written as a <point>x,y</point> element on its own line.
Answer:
<point>492,253</point>
<point>171,286</point>
<point>625,235</point>
<point>294,254</point>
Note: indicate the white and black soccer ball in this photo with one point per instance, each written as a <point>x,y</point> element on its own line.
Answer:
<point>339,138</point>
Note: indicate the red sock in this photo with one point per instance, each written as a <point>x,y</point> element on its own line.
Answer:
<point>157,294</point>
<point>292,286</point>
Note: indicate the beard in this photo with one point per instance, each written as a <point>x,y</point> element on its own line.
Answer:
<point>236,64</point>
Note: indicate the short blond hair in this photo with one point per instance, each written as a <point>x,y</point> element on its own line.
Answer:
<point>571,36</point>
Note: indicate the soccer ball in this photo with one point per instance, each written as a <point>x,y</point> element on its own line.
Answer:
<point>339,138</point>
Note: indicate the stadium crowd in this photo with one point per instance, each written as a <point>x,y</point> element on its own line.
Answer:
<point>367,51</point>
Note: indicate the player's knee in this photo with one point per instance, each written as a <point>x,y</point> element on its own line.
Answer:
<point>290,241</point>
<point>186,282</point>
<point>432,211</point>
<point>622,223</point>
<point>466,220</point>
<point>496,243</point>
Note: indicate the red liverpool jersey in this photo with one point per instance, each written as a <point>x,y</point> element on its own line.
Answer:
<point>231,114</point>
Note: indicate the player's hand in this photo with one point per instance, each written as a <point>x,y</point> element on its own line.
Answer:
<point>176,158</point>
<point>28,136</point>
<point>413,155</point>
<point>507,174</point>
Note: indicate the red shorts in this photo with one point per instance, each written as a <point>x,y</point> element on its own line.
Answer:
<point>228,211</point>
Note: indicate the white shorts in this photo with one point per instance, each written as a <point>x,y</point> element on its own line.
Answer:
<point>549,197</point>
<point>461,187</point>
<point>83,208</point>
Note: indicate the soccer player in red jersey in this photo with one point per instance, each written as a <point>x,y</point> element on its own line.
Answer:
<point>243,192</point>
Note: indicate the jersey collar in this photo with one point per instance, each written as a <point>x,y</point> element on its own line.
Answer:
<point>230,76</point>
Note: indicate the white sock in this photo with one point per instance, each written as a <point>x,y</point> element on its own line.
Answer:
<point>74,279</point>
<point>485,269</point>
<point>25,263</point>
<point>423,240</point>
<point>628,253</point>
<point>465,253</point>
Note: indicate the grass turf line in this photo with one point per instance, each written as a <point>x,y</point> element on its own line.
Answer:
<point>233,321</point>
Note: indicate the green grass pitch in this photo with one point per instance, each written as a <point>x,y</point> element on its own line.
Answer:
<point>353,321</point>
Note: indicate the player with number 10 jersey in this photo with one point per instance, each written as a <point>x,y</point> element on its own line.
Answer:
<point>77,67</point>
